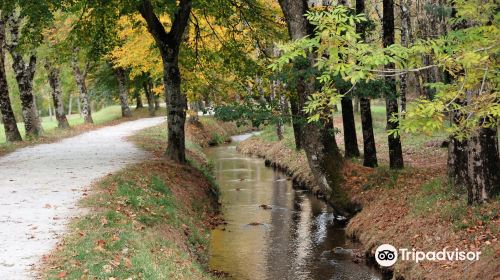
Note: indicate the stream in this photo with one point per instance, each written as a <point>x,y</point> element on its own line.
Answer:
<point>294,238</point>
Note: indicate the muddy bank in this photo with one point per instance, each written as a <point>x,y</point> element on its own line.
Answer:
<point>294,164</point>
<point>208,131</point>
<point>413,209</point>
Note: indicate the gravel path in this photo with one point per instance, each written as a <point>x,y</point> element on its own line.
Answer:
<point>40,185</point>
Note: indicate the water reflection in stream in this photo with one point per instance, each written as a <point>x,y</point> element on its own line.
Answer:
<point>296,239</point>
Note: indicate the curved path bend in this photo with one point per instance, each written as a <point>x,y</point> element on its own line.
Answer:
<point>40,186</point>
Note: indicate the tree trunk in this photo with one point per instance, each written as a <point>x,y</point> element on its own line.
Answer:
<point>391,101</point>
<point>405,41</point>
<point>278,98</point>
<point>369,148</point>
<point>283,112</point>
<point>79,107</point>
<point>24,74</point>
<point>169,45</point>
<point>297,122</point>
<point>319,143</point>
<point>474,163</point>
<point>350,138</point>
<point>356,104</point>
<point>55,84</point>
<point>84,103</point>
<point>483,165</point>
<point>157,101</point>
<point>50,112</point>
<point>458,173</point>
<point>9,121</point>
<point>70,105</point>
<point>123,92</point>
<point>150,97</point>
<point>176,112</point>
<point>138,100</point>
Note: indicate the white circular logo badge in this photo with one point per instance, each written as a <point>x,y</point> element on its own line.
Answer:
<point>386,255</point>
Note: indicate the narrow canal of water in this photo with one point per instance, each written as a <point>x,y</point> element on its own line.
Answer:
<point>295,239</point>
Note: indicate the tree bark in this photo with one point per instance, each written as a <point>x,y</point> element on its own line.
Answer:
<point>9,121</point>
<point>156,98</point>
<point>356,104</point>
<point>483,165</point>
<point>50,113</point>
<point>319,143</point>
<point>123,92</point>
<point>79,107</point>
<point>280,127</point>
<point>369,148</point>
<point>138,100</point>
<point>70,105</point>
<point>80,77</point>
<point>391,101</point>
<point>150,97</point>
<point>169,45</point>
<point>24,73</point>
<point>277,97</point>
<point>457,168</point>
<point>55,84</point>
<point>297,121</point>
<point>405,6</point>
<point>350,138</point>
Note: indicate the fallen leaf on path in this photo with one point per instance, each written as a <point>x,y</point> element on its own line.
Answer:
<point>128,263</point>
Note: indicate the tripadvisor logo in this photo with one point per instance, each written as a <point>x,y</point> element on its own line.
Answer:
<point>387,255</point>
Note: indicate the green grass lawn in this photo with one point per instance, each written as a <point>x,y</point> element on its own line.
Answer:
<point>100,117</point>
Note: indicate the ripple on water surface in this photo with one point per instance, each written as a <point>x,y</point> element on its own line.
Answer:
<point>292,237</point>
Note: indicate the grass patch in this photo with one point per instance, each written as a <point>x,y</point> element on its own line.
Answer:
<point>269,134</point>
<point>438,197</point>
<point>49,125</point>
<point>141,230</point>
<point>216,139</point>
<point>146,222</point>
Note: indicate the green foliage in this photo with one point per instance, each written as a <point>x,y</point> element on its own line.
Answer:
<point>250,111</point>
<point>439,11</point>
<point>216,139</point>
<point>468,55</point>
<point>35,16</point>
